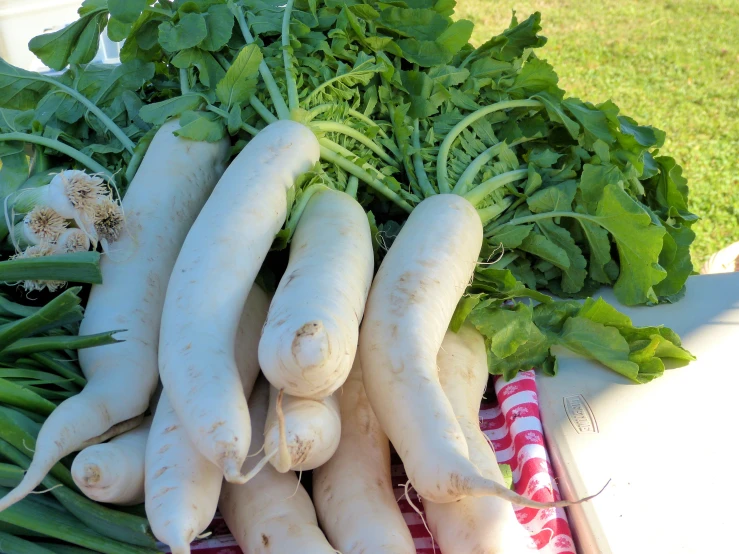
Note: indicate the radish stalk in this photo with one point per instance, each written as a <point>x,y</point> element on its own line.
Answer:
<point>353,491</point>
<point>305,435</point>
<point>223,252</point>
<point>487,525</point>
<point>176,177</point>
<point>409,309</point>
<point>272,512</point>
<point>113,472</point>
<point>310,338</point>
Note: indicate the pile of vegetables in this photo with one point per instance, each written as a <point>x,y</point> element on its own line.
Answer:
<point>323,224</point>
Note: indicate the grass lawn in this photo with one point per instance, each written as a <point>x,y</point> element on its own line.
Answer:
<point>671,64</point>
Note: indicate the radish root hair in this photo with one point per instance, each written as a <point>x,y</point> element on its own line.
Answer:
<point>416,509</point>
<point>47,490</point>
<point>240,479</point>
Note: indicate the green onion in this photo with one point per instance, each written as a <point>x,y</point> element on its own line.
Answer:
<point>29,514</point>
<point>106,521</point>
<point>14,545</point>
<point>78,267</point>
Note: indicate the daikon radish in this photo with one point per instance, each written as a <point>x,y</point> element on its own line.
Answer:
<point>488,524</point>
<point>271,513</point>
<point>353,492</point>
<point>312,430</point>
<point>182,485</point>
<point>164,198</point>
<point>113,471</point>
<point>410,306</point>
<point>310,338</point>
<point>211,279</point>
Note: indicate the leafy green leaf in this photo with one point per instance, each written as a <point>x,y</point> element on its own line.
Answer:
<point>239,83</point>
<point>75,43</point>
<point>505,329</point>
<point>189,31</point>
<point>639,245</point>
<point>219,22</point>
<point>159,112</point>
<point>554,198</point>
<point>511,236</point>
<point>126,11</point>
<point>20,89</point>
<point>203,126</point>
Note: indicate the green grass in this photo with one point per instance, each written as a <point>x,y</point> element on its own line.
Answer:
<point>670,64</point>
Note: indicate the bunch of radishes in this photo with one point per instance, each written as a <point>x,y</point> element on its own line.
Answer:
<point>186,296</point>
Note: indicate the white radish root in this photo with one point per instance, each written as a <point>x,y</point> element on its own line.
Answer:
<point>411,303</point>
<point>182,485</point>
<point>311,334</point>
<point>172,184</point>
<point>214,272</point>
<point>312,430</point>
<point>484,525</point>
<point>272,513</point>
<point>113,471</point>
<point>353,491</point>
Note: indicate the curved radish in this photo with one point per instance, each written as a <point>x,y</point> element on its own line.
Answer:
<point>271,513</point>
<point>486,525</point>
<point>312,430</point>
<point>182,485</point>
<point>113,471</point>
<point>310,338</point>
<point>172,184</point>
<point>352,492</point>
<point>211,279</point>
<point>410,305</point>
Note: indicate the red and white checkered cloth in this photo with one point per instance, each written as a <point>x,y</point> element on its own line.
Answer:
<point>514,427</point>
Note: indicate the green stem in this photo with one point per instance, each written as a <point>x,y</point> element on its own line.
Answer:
<point>109,123</point>
<point>484,189</point>
<point>335,127</point>
<point>423,179</point>
<point>442,177</point>
<point>328,155</point>
<point>73,153</point>
<point>261,109</point>
<point>223,113</point>
<point>78,267</point>
<point>349,155</point>
<point>352,186</point>
<point>184,81</point>
<point>537,217</point>
<point>488,213</point>
<point>274,91</point>
<point>138,154</point>
<point>318,110</point>
<point>469,174</point>
<point>299,208</point>
<point>292,87</point>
